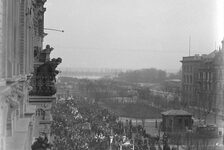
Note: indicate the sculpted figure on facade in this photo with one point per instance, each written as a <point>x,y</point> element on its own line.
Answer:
<point>42,55</point>
<point>44,77</point>
<point>48,69</point>
<point>45,54</point>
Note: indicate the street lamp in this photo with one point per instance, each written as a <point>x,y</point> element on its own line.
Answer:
<point>51,29</point>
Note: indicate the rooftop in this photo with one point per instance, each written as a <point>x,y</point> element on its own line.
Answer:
<point>192,58</point>
<point>174,112</point>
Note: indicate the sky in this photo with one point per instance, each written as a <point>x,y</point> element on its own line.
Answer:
<point>132,34</point>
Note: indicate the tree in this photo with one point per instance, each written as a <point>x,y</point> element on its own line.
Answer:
<point>151,75</point>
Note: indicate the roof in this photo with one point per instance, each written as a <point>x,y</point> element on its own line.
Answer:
<point>174,112</point>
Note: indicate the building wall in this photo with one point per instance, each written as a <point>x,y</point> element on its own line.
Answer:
<point>1,36</point>
<point>219,80</point>
<point>19,34</point>
<point>205,89</point>
<point>203,81</point>
<point>3,116</point>
<point>190,66</point>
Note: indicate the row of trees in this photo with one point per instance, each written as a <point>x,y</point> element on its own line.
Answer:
<point>144,75</point>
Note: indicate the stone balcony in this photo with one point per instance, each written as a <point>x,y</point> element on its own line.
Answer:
<point>47,120</point>
<point>36,100</point>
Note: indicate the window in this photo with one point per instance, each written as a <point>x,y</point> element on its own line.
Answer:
<point>191,80</point>
<point>186,123</point>
<point>187,79</point>
<point>180,121</point>
<point>203,86</point>
<point>201,75</point>
<point>204,75</point>
<point>208,76</point>
<point>170,122</point>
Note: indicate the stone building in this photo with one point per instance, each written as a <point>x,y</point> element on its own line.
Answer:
<point>202,81</point>
<point>205,87</point>
<point>21,40</point>
<point>218,85</point>
<point>190,66</point>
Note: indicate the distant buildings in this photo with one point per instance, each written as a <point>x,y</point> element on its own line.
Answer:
<point>90,73</point>
<point>202,81</point>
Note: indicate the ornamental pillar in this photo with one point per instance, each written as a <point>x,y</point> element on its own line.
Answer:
<point>43,89</point>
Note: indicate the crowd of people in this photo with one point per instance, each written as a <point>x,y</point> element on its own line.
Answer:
<point>78,125</point>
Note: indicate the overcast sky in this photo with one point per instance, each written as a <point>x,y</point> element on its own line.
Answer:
<point>131,34</point>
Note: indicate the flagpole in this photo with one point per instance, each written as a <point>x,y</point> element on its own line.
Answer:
<point>54,29</point>
<point>189,45</point>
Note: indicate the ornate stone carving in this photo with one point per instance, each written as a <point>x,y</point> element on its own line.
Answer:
<point>45,54</point>
<point>42,55</point>
<point>41,2</point>
<point>43,81</point>
<point>48,69</point>
<point>38,18</point>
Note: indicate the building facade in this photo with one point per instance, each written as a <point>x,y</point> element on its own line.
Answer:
<point>190,66</point>
<point>202,82</point>
<point>21,55</point>
<point>218,85</point>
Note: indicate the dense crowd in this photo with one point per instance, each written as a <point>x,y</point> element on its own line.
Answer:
<point>80,125</point>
